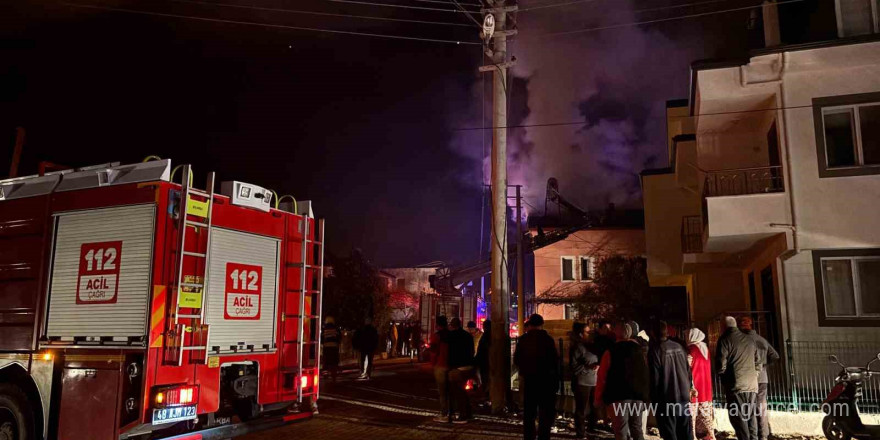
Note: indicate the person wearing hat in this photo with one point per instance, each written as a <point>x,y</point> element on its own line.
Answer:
<point>623,384</point>
<point>538,364</point>
<point>330,344</point>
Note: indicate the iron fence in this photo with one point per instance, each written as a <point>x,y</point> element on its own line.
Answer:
<point>744,181</point>
<point>803,377</point>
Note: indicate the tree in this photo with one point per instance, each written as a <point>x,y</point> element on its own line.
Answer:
<point>355,292</point>
<point>620,290</point>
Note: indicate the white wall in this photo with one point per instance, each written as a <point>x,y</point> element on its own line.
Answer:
<point>833,212</point>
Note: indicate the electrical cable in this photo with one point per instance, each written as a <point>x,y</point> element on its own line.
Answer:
<point>660,20</point>
<point>467,13</point>
<point>445,2</point>
<point>325,14</point>
<point>392,5</point>
<point>574,2</point>
<point>269,25</point>
<point>556,124</point>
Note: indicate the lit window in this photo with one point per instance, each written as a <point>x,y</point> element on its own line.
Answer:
<point>567,269</point>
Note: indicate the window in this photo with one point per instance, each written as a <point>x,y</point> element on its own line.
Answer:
<point>587,268</point>
<point>848,134</point>
<point>567,268</point>
<point>856,17</point>
<point>401,283</point>
<point>569,312</point>
<point>848,286</point>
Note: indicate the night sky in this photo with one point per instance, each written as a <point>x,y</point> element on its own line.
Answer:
<point>367,128</point>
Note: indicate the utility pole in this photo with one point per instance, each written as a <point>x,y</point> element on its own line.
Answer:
<point>495,33</point>
<point>520,289</point>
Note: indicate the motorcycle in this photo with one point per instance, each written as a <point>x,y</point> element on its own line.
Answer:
<point>842,420</point>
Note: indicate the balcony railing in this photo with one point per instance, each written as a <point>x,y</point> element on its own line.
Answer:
<point>744,181</point>
<point>691,234</point>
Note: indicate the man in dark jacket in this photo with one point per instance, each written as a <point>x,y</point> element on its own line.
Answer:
<point>538,364</point>
<point>461,369</point>
<point>766,355</point>
<point>670,385</point>
<point>583,364</point>
<point>365,341</point>
<point>736,359</point>
<point>482,357</point>
<point>625,385</point>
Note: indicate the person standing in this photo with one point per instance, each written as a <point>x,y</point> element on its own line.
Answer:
<point>603,338</point>
<point>366,339</point>
<point>737,361</point>
<point>670,385</point>
<point>439,352</point>
<point>393,333</point>
<point>538,364</point>
<point>461,370</point>
<point>482,359</point>
<point>583,364</point>
<point>702,411</point>
<point>767,355</point>
<point>476,334</point>
<point>623,384</point>
<point>330,347</point>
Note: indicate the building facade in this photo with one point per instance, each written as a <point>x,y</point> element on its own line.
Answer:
<point>772,193</point>
<point>562,268</point>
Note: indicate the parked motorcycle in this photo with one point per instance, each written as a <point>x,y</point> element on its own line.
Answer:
<point>842,421</point>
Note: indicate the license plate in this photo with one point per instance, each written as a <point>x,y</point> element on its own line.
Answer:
<point>169,415</point>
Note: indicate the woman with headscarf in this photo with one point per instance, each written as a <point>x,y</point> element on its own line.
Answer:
<point>703,415</point>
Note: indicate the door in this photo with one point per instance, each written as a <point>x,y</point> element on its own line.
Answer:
<point>775,183</point>
<point>101,274</point>
<point>768,295</point>
<point>242,287</point>
<point>753,296</point>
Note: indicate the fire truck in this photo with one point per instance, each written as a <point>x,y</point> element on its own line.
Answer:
<point>135,307</point>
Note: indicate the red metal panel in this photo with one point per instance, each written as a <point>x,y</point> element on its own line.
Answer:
<point>23,227</point>
<point>89,396</point>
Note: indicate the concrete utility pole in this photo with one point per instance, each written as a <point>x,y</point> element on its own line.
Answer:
<point>520,275</point>
<point>499,352</point>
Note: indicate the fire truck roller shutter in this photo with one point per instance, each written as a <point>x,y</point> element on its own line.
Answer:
<point>101,266</point>
<point>242,290</point>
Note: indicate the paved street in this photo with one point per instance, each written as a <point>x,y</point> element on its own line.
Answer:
<point>399,403</point>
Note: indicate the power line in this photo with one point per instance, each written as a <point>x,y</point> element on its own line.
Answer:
<point>269,25</point>
<point>392,5</point>
<point>326,14</point>
<point>446,2</point>
<point>554,5</point>
<point>467,13</point>
<point>556,124</point>
<point>574,2</point>
<point>660,20</point>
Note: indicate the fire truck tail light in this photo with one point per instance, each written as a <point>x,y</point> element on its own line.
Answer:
<point>317,377</point>
<point>304,383</point>
<point>176,396</point>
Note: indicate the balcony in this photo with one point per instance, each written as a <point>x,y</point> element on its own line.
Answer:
<point>742,206</point>
<point>744,181</point>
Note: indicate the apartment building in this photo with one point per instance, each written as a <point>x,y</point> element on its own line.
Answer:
<point>771,200</point>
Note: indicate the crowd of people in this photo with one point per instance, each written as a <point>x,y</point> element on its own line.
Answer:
<point>619,374</point>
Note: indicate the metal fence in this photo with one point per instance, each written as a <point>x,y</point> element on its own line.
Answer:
<point>802,378</point>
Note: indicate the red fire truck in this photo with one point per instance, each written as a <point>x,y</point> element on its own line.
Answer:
<point>134,307</point>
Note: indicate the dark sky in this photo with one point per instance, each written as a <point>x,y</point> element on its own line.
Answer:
<point>362,126</point>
